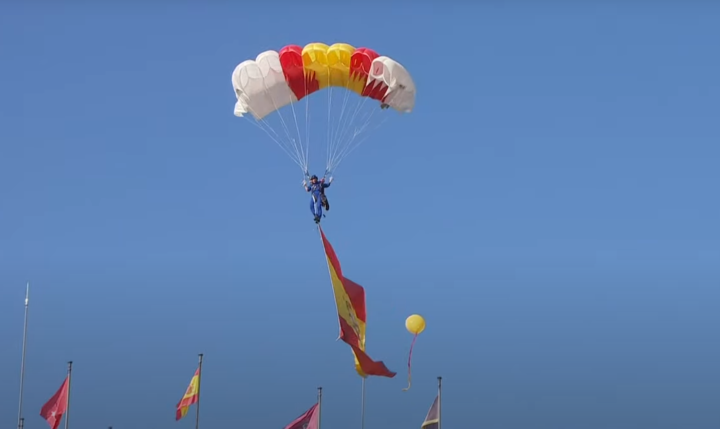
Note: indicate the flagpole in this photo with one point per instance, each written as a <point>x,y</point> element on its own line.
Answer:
<point>197,408</point>
<point>439,402</point>
<point>67,397</point>
<point>319,401</point>
<point>362,405</point>
<point>21,421</point>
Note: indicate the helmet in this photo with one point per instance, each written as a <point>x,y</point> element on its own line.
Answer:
<point>313,177</point>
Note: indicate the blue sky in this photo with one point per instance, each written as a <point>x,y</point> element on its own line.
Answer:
<point>550,208</point>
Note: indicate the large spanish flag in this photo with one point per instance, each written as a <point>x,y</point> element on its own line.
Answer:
<point>191,396</point>
<point>350,302</point>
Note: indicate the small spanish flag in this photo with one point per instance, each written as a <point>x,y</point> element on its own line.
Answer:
<point>191,396</point>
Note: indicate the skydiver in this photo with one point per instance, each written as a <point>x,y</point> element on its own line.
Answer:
<point>318,198</point>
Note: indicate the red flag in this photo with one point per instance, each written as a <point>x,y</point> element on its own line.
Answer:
<point>352,315</point>
<point>55,408</point>
<point>309,420</point>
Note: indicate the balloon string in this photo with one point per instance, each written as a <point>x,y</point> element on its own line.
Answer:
<point>409,363</point>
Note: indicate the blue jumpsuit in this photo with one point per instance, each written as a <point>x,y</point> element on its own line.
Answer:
<point>316,200</point>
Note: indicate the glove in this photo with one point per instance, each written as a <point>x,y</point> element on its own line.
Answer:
<point>304,183</point>
<point>331,179</point>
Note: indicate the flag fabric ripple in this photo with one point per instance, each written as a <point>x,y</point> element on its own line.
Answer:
<point>350,304</point>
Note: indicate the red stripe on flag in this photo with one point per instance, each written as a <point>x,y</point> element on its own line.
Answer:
<point>368,366</point>
<point>356,293</point>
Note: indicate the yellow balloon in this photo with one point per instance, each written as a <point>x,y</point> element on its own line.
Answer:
<point>415,324</point>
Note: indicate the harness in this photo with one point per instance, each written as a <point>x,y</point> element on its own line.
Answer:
<point>319,190</point>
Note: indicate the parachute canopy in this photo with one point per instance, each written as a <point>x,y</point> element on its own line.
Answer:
<point>276,79</point>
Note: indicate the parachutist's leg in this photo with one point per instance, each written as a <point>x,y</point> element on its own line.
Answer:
<point>313,209</point>
<point>318,209</point>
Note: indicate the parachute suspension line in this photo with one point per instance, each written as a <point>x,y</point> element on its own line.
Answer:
<point>345,125</point>
<point>356,111</point>
<point>338,130</point>
<point>307,132</point>
<point>296,148</point>
<point>270,131</point>
<point>348,148</point>
<point>291,140</point>
<point>302,152</point>
<point>350,124</point>
<point>275,138</point>
<point>339,147</point>
<point>329,129</point>
<point>357,145</point>
<point>332,144</point>
<point>343,117</point>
